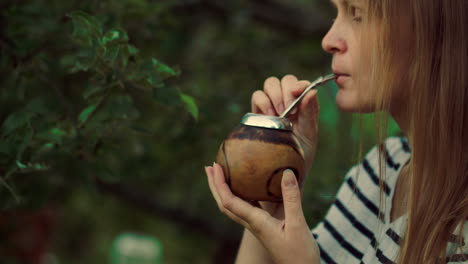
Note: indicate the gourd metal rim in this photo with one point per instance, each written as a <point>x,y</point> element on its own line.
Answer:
<point>264,121</point>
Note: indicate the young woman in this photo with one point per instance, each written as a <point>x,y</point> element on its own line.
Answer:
<point>407,201</point>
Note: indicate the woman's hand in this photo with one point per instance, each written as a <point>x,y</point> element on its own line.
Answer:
<point>286,236</point>
<point>277,95</point>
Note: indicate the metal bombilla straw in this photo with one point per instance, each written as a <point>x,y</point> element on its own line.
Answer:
<point>321,80</point>
<point>281,122</point>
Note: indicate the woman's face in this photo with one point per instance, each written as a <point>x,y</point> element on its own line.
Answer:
<point>350,63</point>
<point>352,57</point>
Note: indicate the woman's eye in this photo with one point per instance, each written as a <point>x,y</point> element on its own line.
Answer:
<point>355,13</point>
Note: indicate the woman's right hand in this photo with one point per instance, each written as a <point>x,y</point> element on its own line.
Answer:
<point>279,240</point>
<point>277,95</point>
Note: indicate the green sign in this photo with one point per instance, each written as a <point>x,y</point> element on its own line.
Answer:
<point>130,248</point>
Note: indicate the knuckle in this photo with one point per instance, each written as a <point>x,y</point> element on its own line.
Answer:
<point>256,227</point>
<point>257,223</point>
<point>227,204</point>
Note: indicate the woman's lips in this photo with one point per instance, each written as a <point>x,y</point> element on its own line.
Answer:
<point>341,79</point>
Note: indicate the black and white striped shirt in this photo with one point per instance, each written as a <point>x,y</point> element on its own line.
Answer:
<point>355,229</point>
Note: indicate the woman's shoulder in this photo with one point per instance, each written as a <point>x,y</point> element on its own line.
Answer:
<point>395,151</point>
<point>393,147</point>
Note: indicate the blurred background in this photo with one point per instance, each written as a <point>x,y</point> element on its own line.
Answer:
<point>110,110</point>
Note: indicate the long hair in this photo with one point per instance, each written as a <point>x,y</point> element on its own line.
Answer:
<point>434,47</point>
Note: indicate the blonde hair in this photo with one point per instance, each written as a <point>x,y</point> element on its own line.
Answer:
<point>436,83</point>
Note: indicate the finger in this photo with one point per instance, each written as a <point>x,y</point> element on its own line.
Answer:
<point>256,219</point>
<point>209,173</point>
<point>288,84</point>
<point>309,112</point>
<point>300,87</point>
<point>294,217</point>
<point>272,88</point>
<point>261,104</point>
<point>214,191</point>
<point>296,92</point>
<point>309,105</point>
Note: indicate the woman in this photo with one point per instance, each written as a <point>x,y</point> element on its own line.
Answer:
<point>406,58</point>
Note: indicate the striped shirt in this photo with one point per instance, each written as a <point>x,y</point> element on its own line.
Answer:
<point>356,230</point>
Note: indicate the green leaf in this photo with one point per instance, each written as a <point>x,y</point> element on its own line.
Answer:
<point>21,165</point>
<point>86,29</point>
<point>127,52</point>
<point>112,53</point>
<point>31,166</point>
<point>164,70</point>
<point>85,114</point>
<point>85,59</point>
<point>132,49</point>
<point>190,104</point>
<point>55,135</point>
<point>15,121</point>
<point>115,36</point>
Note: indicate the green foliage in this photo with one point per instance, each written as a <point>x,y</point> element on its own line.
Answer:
<point>113,72</point>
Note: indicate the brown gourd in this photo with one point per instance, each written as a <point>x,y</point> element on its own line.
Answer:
<point>255,155</point>
<point>254,159</point>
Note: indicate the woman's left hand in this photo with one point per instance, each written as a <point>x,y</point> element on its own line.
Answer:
<point>288,239</point>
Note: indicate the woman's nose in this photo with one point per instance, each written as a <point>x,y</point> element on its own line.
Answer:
<point>333,42</point>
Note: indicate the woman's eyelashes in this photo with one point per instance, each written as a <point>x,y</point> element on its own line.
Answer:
<point>355,13</point>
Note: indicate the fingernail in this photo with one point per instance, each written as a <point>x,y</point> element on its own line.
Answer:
<point>290,179</point>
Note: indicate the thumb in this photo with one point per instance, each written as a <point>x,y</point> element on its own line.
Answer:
<point>294,216</point>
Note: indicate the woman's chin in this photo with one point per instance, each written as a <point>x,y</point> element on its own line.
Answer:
<point>349,102</point>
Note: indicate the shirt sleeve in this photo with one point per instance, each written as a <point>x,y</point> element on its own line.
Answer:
<point>351,224</point>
